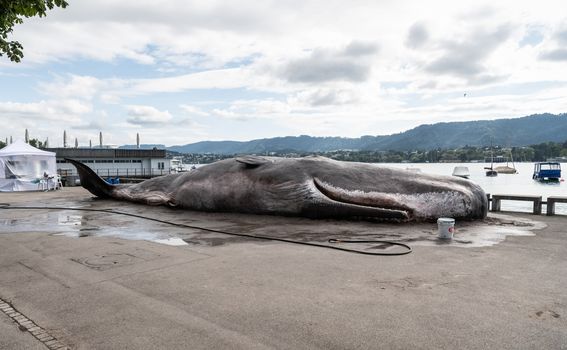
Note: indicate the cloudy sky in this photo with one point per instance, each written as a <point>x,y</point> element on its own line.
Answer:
<point>180,71</point>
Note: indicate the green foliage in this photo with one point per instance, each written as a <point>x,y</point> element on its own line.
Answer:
<point>12,12</point>
<point>36,143</point>
<point>546,150</point>
<point>33,142</point>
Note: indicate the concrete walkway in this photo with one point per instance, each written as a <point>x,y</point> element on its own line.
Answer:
<point>76,276</point>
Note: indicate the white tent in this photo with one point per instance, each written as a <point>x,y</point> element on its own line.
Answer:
<point>22,167</point>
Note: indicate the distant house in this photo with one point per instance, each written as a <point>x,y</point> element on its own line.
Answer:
<point>558,159</point>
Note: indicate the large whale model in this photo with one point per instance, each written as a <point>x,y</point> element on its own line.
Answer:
<point>314,187</point>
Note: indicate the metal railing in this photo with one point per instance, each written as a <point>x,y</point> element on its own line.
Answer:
<point>121,172</point>
<point>112,153</point>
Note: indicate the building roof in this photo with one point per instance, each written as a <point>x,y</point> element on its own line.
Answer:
<point>21,148</point>
<point>107,153</point>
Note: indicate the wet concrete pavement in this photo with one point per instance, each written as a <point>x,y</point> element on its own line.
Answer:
<point>98,280</point>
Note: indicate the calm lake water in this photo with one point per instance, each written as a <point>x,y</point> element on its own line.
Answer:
<point>519,184</point>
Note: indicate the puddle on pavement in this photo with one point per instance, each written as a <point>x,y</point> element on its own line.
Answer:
<point>72,223</point>
<point>474,235</point>
<point>175,241</point>
<point>78,224</point>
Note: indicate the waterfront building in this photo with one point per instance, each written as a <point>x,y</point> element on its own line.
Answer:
<point>113,162</point>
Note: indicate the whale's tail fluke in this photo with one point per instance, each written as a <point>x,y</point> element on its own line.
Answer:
<point>91,181</point>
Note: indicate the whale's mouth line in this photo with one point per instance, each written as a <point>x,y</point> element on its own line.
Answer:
<point>344,196</point>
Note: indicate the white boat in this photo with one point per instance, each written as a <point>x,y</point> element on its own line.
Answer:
<point>461,171</point>
<point>176,165</point>
<point>507,169</point>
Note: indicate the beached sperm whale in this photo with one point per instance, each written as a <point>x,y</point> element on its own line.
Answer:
<point>314,187</point>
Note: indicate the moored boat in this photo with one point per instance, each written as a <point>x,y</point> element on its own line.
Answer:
<point>547,171</point>
<point>505,170</point>
<point>490,172</point>
<point>461,171</point>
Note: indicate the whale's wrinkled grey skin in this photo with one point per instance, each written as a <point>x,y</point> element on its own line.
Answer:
<point>314,187</point>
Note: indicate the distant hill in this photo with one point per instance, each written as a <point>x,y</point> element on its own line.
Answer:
<point>288,143</point>
<point>524,131</point>
<point>145,146</point>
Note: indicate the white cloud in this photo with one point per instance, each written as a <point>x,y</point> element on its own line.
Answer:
<point>417,35</point>
<point>351,63</point>
<point>193,111</point>
<point>465,58</point>
<point>43,111</point>
<point>147,115</point>
<point>324,97</point>
<point>212,79</point>
<point>75,86</point>
<point>558,53</point>
<point>230,114</point>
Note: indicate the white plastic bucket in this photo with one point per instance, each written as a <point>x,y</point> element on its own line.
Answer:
<point>446,228</point>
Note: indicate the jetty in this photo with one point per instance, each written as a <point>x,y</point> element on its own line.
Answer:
<point>538,202</point>
<point>72,279</point>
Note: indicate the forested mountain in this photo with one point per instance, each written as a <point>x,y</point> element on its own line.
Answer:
<point>503,132</point>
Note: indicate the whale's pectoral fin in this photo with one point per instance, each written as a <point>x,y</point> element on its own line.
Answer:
<point>252,161</point>
<point>329,208</point>
<point>346,203</point>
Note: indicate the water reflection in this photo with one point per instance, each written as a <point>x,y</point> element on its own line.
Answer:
<point>71,223</point>
<point>8,222</point>
<point>70,220</point>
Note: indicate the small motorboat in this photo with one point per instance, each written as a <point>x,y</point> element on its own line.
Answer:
<point>461,171</point>
<point>547,171</point>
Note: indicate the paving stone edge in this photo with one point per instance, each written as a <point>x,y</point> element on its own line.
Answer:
<point>25,324</point>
